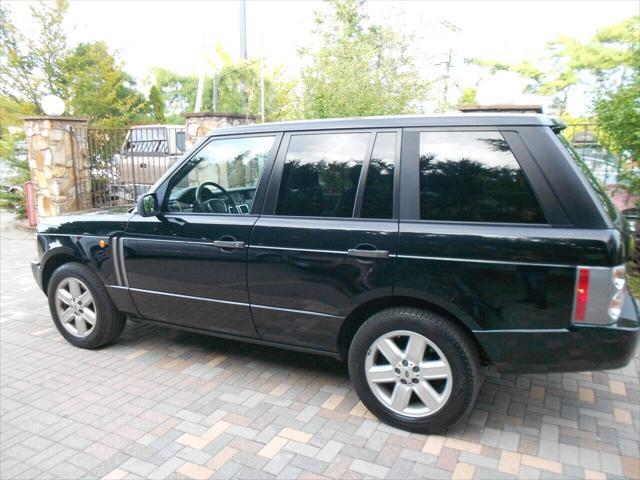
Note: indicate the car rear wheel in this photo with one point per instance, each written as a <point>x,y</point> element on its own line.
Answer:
<point>414,369</point>
<point>81,308</point>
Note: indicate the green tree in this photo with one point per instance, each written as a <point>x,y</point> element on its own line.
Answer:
<point>360,69</point>
<point>90,80</point>
<point>100,89</point>
<point>605,62</point>
<point>278,90</point>
<point>180,91</point>
<point>156,104</point>
<point>468,96</point>
<point>33,67</point>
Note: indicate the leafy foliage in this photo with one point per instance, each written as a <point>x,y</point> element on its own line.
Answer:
<point>605,59</point>
<point>231,80</point>
<point>90,80</point>
<point>156,104</point>
<point>468,96</point>
<point>32,68</point>
<point>100,89</point>
<point>359,69</point>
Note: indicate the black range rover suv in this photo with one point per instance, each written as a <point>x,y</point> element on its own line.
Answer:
<point>416,248</point>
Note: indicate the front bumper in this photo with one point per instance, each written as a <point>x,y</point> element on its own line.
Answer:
<point>37,272</point>
<point>577,348</point>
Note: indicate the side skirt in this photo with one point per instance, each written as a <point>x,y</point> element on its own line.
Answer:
<point>239,338</point>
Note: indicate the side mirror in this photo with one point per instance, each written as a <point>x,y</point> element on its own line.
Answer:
<point>148,205</point>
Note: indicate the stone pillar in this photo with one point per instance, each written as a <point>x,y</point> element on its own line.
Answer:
<point>59,165</point>
<point>200,124</point>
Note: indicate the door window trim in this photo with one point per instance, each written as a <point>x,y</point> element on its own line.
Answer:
<point>261,187</point>
<point>410,182</point>
<point>271,197</point>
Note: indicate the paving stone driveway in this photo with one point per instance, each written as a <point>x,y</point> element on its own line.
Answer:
<point>165,404</point>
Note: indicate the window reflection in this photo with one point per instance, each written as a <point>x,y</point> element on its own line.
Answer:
<point>378,194</point>
<point>321,174</point>
<point>473,176</point>
<point>233,164</point>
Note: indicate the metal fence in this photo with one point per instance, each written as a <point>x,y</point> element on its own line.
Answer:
<point>594,148</point>
<point>125,163</point>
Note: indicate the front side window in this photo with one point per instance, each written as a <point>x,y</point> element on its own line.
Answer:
<point>222,177</point>
<point>474,177</point>
<point>321,174</point>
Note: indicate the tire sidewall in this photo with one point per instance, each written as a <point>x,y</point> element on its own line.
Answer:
<point>463,369</point>
<point>103,309</point>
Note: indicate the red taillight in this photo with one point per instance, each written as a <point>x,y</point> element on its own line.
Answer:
<point>582,294</point>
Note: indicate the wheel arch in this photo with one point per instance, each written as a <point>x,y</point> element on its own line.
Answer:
<point>360,314</point>
<point>54,259</point>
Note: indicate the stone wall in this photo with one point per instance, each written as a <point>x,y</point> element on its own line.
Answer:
<point>58,161</point>
<point>200,124</point>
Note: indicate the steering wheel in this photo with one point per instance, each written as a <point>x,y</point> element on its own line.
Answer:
<point>207,205</point>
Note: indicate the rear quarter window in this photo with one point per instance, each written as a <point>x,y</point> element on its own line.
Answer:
<point>598,189</point>
<point>473,177</point>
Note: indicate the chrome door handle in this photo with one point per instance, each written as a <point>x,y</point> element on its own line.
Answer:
<point>229,244</point>
<point>355,252</point>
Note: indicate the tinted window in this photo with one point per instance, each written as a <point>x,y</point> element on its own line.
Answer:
<point>591,178</point>
<point>321,174</point>
<point>378,193</point>
<point>222,177</point>
<point>473,176</point>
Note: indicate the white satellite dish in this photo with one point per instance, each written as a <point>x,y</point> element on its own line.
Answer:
<point>52,105</point>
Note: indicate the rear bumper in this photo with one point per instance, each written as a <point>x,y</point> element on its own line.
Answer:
<point>577,348</point>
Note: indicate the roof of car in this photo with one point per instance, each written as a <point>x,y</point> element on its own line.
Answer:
<point>453,120</point>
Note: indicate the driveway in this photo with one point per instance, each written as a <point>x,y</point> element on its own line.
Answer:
<point>165,404</point>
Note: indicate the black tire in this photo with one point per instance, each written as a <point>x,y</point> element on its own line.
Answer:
<point>109,321</point>
<point>452,342</point>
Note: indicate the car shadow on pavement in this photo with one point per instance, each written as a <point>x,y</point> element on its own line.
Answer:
<point>196,344</point>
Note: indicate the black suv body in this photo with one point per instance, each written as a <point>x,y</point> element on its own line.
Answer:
<point>418,248</point>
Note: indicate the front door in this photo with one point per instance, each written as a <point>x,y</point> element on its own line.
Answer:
<point>327,239</point>
<point>187,266</point>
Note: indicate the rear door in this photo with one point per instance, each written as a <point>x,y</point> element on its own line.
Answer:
<point>327,239</point>
<point>476,234</point>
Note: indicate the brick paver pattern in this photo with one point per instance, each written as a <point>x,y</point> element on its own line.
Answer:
<point>166,404</point>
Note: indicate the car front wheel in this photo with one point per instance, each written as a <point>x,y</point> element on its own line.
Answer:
<point>81,308</point>
<point>414,369</point>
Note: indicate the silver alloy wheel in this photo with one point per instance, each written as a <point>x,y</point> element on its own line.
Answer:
<point>75,307</point>
<point>408,373</point>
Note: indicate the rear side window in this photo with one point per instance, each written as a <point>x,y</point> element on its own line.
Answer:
<point>473,177</point>
<point>321,174</point>
<point>378,193</point>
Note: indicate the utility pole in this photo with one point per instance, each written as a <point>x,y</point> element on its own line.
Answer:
<point>262,79</point>
<point>262,89</point>
<point>447,76</point>
<point>243,29</point>
<point>243,48</point>
<point>214,89</point>
<point>200,92</point>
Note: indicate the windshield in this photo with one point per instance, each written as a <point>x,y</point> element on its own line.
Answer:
<point>605,201</point>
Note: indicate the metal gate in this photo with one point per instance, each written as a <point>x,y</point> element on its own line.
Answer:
<point>125,163</point>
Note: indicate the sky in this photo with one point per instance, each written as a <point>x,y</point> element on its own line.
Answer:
<point>177,34</point>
